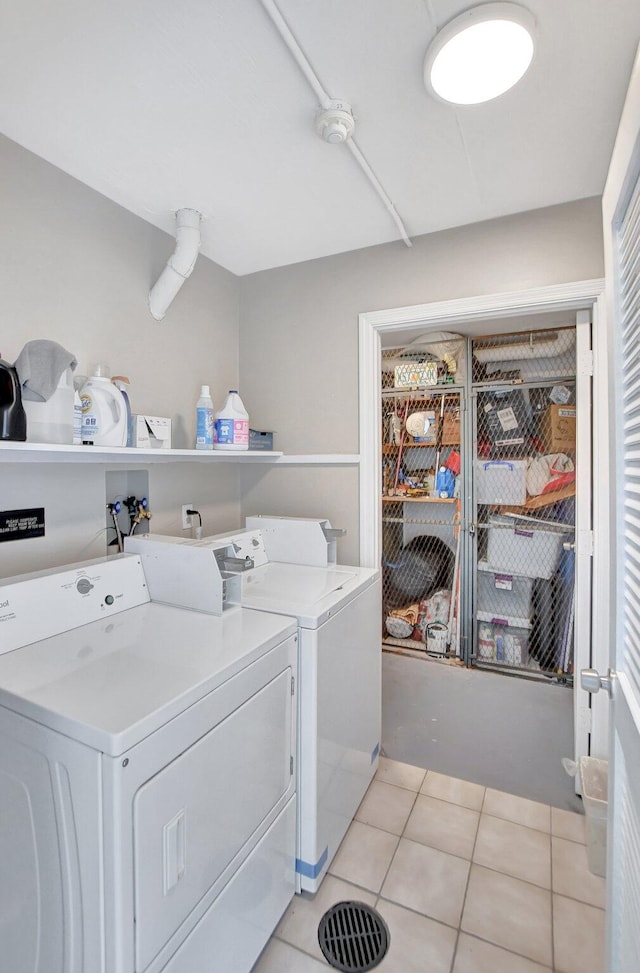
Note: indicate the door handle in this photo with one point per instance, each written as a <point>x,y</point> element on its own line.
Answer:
<point>569,546</point>
<point>592,682</point>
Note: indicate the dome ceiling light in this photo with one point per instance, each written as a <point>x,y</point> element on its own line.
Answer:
<point>480,54</point>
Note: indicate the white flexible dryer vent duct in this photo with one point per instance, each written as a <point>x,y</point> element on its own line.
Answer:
<point>326,103</point>
<point>179,265</point>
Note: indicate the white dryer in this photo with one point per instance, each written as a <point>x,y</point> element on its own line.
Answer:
<point>147,777</point>
<point>292,572</point>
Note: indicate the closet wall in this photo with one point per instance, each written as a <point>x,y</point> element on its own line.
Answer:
<point>299,334</point>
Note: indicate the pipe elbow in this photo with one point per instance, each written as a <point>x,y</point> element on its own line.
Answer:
<point>179,265</point>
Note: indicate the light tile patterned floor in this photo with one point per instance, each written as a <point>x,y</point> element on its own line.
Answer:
<point>468,880</point>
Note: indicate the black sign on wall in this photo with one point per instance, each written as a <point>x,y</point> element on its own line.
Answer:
<point>18,525</point>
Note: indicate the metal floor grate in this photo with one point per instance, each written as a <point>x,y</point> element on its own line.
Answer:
<point>353,937</point>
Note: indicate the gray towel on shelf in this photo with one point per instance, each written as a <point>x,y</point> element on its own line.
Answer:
<point>40,365</point>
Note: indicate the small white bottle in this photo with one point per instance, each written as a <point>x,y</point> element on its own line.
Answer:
<point>232,424</point>
<point>77,418</point>
<point>204,419</point>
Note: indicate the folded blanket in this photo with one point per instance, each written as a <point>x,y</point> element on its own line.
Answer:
<point>40,365</point>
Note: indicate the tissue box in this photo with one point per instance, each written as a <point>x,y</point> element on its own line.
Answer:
<point>151,432</point>
<point>260,440</point>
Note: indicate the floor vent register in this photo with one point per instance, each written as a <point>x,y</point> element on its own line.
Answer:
<point>353,937</point>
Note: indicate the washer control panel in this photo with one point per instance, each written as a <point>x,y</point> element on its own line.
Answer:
<point>46,603</point>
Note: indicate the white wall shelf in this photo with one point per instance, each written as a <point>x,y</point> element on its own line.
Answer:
<point>318,459</point>
<point>11,452</point>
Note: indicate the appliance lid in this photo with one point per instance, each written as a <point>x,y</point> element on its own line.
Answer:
<point>112,682</point>
<point>311,594</point>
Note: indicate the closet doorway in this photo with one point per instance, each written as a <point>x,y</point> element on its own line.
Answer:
<point>445,504</point>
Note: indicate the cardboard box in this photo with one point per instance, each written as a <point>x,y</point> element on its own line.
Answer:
<point>151,432</point>
<point>451,428</point>
<point>559,428</point>
<point>260,440</point>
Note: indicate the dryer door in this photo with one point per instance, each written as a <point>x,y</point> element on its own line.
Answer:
<point>196,820</point>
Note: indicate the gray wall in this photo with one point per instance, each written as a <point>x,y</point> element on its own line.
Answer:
<point>76,268</point>
<point>299,335</point>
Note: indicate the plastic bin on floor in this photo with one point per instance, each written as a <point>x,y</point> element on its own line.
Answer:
<point>503,640</point>
<point>594,775</point>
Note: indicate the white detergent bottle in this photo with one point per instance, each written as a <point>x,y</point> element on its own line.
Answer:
<point>104,411</point>
<point>52,421</point>
<point>77,418</point>
<point>232,424</point>
<point>204,420</point>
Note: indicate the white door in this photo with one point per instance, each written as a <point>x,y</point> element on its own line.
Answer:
<point>621,211</point>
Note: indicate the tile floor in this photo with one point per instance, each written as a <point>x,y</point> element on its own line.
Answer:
<point>468,880</point>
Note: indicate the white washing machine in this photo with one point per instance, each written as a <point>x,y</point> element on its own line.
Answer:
<point>147,777</point>
<point>292,571</point>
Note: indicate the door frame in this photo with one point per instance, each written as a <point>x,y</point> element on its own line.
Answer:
<point>444,315</point>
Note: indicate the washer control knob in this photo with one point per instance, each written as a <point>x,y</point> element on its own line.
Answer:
<point>83,586</point>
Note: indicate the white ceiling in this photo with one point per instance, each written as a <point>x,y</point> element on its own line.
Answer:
<point>161,104</point>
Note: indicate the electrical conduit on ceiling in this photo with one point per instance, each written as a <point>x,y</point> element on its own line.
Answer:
<point>327,103</point>
<point>179,265</point>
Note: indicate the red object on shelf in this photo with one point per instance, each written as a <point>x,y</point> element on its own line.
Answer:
<point>453,462</point>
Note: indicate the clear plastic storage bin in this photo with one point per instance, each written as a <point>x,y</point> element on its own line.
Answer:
<point>502,593</point>
<point>502,643</point>
<point>501,481</point>
<point>524,548</point>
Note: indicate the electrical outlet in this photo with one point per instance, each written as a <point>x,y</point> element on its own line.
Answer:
<point>186,519</point>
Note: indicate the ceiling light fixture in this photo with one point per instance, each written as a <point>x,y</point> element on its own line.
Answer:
<point>480,54</point>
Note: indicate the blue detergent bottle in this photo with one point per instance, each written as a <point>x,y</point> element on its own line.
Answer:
<point>445,483</point>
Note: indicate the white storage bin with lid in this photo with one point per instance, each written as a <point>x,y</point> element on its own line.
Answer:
<point>501,593</point>
<point>501,481</point>
<point>522,547</point>
<point>594,776</point>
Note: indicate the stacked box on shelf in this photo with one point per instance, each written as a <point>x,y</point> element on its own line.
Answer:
<point>504,613</point>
